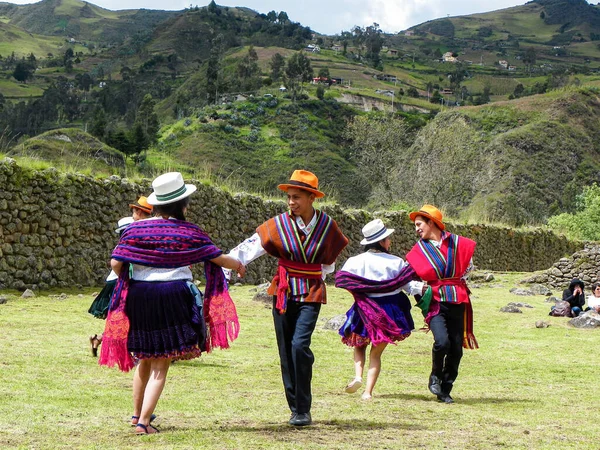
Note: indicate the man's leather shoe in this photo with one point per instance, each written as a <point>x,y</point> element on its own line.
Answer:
<point>445,398</point>
<point>292,417</point>
<point>301,420</point>
<point>435,385</point>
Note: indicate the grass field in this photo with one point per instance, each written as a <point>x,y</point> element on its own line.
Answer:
<point>524,388</point>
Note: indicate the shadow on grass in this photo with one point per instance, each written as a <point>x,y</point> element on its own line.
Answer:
<point>458,400</point>
<point>324,425</point>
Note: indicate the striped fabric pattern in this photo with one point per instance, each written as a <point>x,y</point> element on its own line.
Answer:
<point>444,266</point>
<point>298,251</point>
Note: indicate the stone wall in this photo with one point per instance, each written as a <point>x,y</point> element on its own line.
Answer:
<point>583,264</point>
<point>58,229</point>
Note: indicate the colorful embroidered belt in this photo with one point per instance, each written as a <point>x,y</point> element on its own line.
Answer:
<point>286,269</point>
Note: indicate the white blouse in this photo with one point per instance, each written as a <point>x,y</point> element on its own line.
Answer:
<point>379,266</point>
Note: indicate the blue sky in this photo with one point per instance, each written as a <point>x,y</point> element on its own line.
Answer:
<point>333,16</point>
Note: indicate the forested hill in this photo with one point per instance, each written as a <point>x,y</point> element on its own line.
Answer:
<point>502,106</point>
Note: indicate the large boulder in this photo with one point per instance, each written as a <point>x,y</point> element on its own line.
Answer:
<point>540,289</point>
<point>590,319</point>
<point>510,308</point>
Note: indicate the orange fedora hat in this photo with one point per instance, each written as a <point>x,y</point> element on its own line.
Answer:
<point>431,212</point>
<point>305,180</point>
<point>142,203</point>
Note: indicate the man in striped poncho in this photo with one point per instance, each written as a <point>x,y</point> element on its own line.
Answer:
<point>443,260</point>
<point>306,243</point>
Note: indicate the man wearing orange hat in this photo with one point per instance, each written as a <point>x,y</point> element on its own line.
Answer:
<point>306,242</point>
<point>443,259</point>
<point>141,209</point>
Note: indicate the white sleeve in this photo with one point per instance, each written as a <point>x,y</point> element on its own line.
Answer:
<point>249,250</point>
<point>246,252</point>
<point>327,269</point>
<point>413,287</point>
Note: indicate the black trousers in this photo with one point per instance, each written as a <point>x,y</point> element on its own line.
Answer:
<point>293,330</point>
<point>447,328</point>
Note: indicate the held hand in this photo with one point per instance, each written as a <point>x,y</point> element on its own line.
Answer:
<point>424,289</point>
<point>241,270</point>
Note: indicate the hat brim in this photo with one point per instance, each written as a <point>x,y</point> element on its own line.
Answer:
<point>118,230</point>
<point>413,215</point>
<point>366,241</point>
<point>285,187</point>
<point>189,190</point>
<point>138,206</point>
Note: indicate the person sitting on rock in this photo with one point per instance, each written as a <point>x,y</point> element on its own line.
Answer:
<point>575,296</point>
<point>594,298</point>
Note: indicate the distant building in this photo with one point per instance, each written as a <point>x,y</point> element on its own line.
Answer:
<point>446,91</point>
<point>392,52</point>
<point>448,57</point>
<point>409,33</point>
<point>312,48</point>
<point>512,68</point>
<point>504,64</point>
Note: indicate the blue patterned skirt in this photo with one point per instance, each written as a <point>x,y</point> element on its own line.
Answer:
<point>396,306</point>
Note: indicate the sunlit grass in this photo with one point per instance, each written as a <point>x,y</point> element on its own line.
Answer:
<point>524,388</point>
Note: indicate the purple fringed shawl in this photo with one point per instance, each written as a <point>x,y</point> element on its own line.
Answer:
<point>167,244</point>
<point>378,325</point>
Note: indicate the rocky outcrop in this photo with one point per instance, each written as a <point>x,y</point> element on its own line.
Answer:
<point>583,264</point>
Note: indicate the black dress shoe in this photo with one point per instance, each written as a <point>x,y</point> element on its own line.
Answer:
<point>301,420</point>
<point>292,417</point>
<point>435,385</point>
<point>445,398</point>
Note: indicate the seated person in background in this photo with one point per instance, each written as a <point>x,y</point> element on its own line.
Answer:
<point>574,295</point>
<point>594,298</point>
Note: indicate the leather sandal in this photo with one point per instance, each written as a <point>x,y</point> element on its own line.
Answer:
<point>134,419</point>
<point>145,429</point>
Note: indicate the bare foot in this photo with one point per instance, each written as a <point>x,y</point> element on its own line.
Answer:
<point>366,397</point>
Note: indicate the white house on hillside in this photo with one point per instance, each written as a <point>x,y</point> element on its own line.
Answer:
<point>449,58</point>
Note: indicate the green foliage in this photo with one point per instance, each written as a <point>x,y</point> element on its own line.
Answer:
<point>277,64</point>
<point>584,224</point>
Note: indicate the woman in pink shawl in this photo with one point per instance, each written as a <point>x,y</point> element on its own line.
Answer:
<point>381,311</point>
<point>156,314</point>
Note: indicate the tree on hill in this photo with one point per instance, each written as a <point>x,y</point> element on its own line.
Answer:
<point>23,71</point>
<point>297,72</point>
<point>324,73</point>
<point>147,119</point>
<point>99,122</point>
<point>213,8</point>
<point>213,68</point>
<point>248,71</point>
<point>529,58</point>
<point>277,64</point>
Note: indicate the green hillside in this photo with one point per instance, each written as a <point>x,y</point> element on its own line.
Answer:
<point>81,20</point>
<point>515,162</point>
<point>72,150</point>
<point>509,127</point>
<point>15,39</point>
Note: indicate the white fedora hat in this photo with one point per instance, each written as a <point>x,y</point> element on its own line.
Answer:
<point>169,188</point>
<point>375,231</point>
<point>122,223</point>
